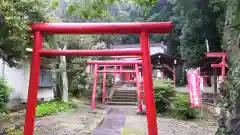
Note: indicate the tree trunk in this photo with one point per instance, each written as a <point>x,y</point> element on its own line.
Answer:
<point>54,83</point>
<point>229,122</point>
<point>63,67</point>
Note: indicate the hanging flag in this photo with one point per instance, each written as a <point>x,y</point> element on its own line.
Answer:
<point>194,87</point>
<point>201,84</point>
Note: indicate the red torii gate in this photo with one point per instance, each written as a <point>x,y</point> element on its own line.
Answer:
<point>143,29</point>
<point>109,63</point>
<point>223,63</point>
<point>121,57</point>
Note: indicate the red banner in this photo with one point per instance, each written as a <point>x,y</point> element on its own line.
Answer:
<point>194,87</point>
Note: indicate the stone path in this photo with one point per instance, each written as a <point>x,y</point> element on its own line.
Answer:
<point>112,123</point>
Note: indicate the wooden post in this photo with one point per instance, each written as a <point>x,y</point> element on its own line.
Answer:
<point>215,90</point>
<point>174,73</point>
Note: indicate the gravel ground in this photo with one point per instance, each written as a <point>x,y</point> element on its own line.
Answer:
<point>167,126</point>
<point>78,122</point>
<point>82,122</point>
<point>137,125</point>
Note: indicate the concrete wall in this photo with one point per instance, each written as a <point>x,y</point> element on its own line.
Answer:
<point>45,91</point>
<point>18,80</point>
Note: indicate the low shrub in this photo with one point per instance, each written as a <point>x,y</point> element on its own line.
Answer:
<point>4,95</point>
<point>163,94</point>
<point>181,108</point>
<point>53,107</point>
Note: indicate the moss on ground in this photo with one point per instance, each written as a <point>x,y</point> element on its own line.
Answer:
<point>132,131</point>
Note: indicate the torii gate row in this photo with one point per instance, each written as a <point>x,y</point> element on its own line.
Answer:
<point>121,57</point>
<point>115,63</point>
<point>143,29</point>
<point>105,71</point>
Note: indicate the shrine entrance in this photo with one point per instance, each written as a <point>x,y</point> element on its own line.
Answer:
<point>143,29</point>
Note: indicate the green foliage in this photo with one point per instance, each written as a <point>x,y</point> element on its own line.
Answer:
<point>14,34</point>
<point>89,8</point>
<point>77,65</point>
<point>53,107</point>
<point>193,35</point>
<point>174,104</point>
<point>163,94</point>
<point>4,95</point>
<point>146,2</point>
<point>109,84</point>
<point>15,132</point>
<point>181,108</point>
<point>229,103</point>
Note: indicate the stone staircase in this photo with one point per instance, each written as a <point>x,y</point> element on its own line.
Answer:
<point>124,96</point>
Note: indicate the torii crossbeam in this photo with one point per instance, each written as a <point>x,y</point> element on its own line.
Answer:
<point>143,29</point>
<point>223,63</point>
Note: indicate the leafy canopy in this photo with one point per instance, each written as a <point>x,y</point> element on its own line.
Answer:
<point>14,31</point>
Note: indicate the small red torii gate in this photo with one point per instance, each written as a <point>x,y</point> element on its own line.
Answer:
<point>104,71</point>
<point>122,57</point>
<point>223,63</point>
<point>143,29</point>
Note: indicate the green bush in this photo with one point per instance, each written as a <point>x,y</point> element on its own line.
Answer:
<point>52,107</point>
<point>4,95</point>
<point>181,108</point>
<point>163,94</point>
<point>109,84</point>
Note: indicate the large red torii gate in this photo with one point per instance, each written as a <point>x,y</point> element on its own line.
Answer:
<point>94,28</point>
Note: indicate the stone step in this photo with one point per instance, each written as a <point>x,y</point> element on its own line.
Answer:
<point>123,100</point>
<point>128,92</point>
<point>121,103</point>
<point>119,91</point>
<point>124,97</point>
<point>125,91</point>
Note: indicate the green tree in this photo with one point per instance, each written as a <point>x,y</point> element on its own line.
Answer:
<point>88,9</point>
<point>229,122</point>
<point>14,32</point>
<point>200,23</point>
<point>74,11</point>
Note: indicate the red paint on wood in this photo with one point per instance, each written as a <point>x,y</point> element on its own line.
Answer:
<point>117,71</point>
<point>138,88</point>
<point>120,63</point>
<point>94,91</point>
<point>89,52</point>
<point>104,85</point>
<point>216,54</point>
<point>103,28</point>
<point>33,85</point>
<point>148,85</point>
